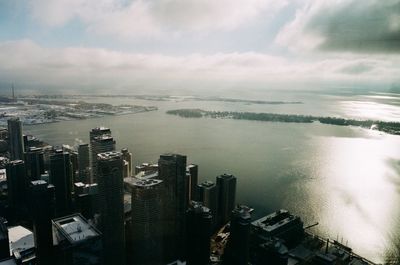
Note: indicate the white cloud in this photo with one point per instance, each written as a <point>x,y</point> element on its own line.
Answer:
<point>154,18</point>
<point>31,65</point>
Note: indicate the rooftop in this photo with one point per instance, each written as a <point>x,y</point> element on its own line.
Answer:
<point>20,239</point>
<point>275,220</point>
<point>207,184</point>
<point>35,149</point>
<point>75,228</point>
<point>103,138</point>
<point>101,129</point>
<point>226,176</point>
<point>146,175</point>
<point>16,162</point>
<point>147,183</point>
<point>109,155</point>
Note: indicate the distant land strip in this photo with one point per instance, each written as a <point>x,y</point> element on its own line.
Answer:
<point>175,98</point>
<point>387,127</point>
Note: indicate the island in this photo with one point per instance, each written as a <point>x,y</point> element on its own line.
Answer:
<point>384,126</point>
<point>38,111</point>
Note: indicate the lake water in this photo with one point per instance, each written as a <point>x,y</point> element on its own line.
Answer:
<point>345,178</point>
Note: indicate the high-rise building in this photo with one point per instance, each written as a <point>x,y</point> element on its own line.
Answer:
<point>83,163</point>
<point>15,139</point>
<point>238,246</point>
<point>42,207</point>
<point>193,175</point>
<point>73,158</point>
<point>100,141</point>
<point>86,199</point>
<point>208,195</point>
<point>127,157</point>
<point>147,228</point>
<point>172,170</point>
<point>198,222</point>
<point>47,152</point>
<point>111,200</point>
<point>99,131</point>
<point>4,243</point>
<point>17,187</point>
<point>76,241</point>
<point>226,185</point>
<point>34,162</point>
<point>61,178</point>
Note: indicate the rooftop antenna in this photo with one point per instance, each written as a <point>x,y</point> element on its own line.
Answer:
<point>13,94</point>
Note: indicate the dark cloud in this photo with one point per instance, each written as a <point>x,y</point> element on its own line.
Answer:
<point>357,68</point>
<point>358,26</point>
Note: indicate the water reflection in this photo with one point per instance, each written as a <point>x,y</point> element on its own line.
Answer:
<point>359,202</point>
<point>371,110</point>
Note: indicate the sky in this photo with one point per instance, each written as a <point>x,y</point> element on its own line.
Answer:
<point>195,46</point>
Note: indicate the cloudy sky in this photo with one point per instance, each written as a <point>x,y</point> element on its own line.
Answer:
<point>146,46</point>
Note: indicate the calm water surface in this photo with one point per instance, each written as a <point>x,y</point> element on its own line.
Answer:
<point>345,178</point>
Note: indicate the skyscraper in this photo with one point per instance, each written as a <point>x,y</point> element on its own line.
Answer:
<point>34,162</point>
<point>237,248</point>
<point>15,139</point>
<point>147,229</point>
<point>198,222</point>
<point>42,206</point>
<point>100,141</point>
<point>193,171</point>
<point>127,157</point>
<point>73,158</point>
<point>4,243</point>
<point>84,163</point>
<point>17,187</point>
<point>172,170</point>
<point>208,195</point>
<point>226,185</point>
<point>61,178</point>
<point>111,200</point>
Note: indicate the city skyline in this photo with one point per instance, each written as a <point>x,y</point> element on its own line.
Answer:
<point>200,132</point>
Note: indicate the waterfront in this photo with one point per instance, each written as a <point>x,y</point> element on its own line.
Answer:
<point>345,178</point>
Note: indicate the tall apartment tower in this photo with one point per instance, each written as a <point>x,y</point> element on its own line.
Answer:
<point>4,243</point>
<point>147,229</point>
<point>172,170</point>
<point>34,163</point>
<point>127,157</point>
<point>42,205</point>
<point>15,139</point>
<point>226,185</point>
<point>111,200</point>
<point>84,163</point>
<point>193,175</point>
<point>61,177</point>
<point>17,187</point>
<point>101,141</point>
<point>237,248</point>
<point>208,195</point>
<point>198,221</point>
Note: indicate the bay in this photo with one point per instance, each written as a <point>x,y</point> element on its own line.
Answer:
<point>345,178</point>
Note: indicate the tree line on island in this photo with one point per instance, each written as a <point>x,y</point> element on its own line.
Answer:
<point>384,126</point>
